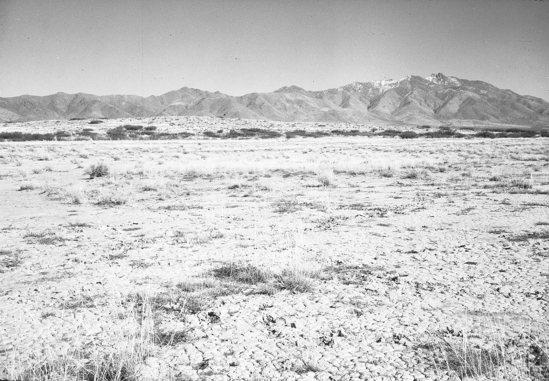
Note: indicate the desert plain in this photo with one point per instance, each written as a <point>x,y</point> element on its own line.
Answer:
<point>331,258</point>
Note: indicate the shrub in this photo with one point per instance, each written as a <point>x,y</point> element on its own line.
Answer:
<point>95,122</point>
<point>485,134</point>
<point>412,174</point>
<point>259,132</point>
<point>62,134</point>
<point>389,132</point>
<point>306,134</point>
<point>244,133</point>
<point>325,178</point>
<point>20,136</point>
<point>387,172</point>
<point>151,128</point>
<point>27,186</point>
<point>132,127</point>
<point>117,133</point>
<point>211,134</point>
<point>88,133</point>
<point>350,133</point>
<point>408,135</point>
<point>97,170</point>
<point>166,135</point>
<point>443,132</point>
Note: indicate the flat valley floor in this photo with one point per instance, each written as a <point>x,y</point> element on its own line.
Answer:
<point>287,259</point>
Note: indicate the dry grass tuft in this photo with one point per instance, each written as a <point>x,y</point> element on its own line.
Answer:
<point>124,361</point>
<point>495,357</point>
<point>287,205</point>
<point>114,197</point>
<point>294,280</point>
<point>291,279</point>
<point>248,274</point>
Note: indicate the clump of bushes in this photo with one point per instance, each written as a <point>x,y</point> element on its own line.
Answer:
<point>390,132</point>
<point>246,133</point>
<point>95,121</point>
<point>97,170</point>
<point>211,134</point>
<point>306,134</point>
<point>485,134</point>
<point>24,137</point>
<point>350,133</point>
<point>117,133</point>
<point>132,127</point>
<point>408,135</point>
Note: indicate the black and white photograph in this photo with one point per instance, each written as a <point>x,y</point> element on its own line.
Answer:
<point>274,190</point>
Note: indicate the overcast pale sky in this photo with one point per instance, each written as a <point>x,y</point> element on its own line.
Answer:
<point>149,47</point>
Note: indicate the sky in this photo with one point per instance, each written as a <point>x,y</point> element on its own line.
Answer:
<point>150,47</point>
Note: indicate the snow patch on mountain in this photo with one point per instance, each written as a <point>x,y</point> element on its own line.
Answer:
<point>441,79</point>
<point>366,87</point>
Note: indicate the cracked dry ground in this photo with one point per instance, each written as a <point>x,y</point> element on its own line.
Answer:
<point>401,246</point>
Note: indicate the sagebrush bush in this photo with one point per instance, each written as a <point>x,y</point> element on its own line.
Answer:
<point>97,170</point>
<point>325,178</point>
<point>132,127</point>
<point>408,135</point>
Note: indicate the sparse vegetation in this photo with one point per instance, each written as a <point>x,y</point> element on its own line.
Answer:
<point>291,279</point>
<point>122,362</point>
<point>227,236</point>
<point>27,186</point>
<point>120,195</point>
<point>528,236</point>
<point>9,260</point>
<point>287,205</point>
<point>499,358</point>
<point>242,273</point>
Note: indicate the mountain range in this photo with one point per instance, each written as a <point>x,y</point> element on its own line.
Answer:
<point>437,99</point>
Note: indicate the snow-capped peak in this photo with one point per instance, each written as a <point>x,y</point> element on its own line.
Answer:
<point>382,85</point>
<point>441,79</point>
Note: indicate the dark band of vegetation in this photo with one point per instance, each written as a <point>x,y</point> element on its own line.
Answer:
<point>138,132</point>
